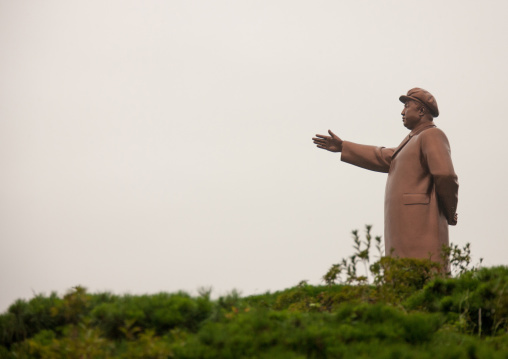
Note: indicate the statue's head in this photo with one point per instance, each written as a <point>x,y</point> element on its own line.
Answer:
<point>419,106</point>
<point>423,97</point>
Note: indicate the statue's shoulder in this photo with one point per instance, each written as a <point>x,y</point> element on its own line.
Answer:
<point>433,135</point>
<point>433,132</point>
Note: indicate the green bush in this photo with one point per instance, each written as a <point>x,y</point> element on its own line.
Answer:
<point>338,321</point>
<point>393,308</point>
<point>475,302</point>
<point>24,319</point>
<point>160,312</point>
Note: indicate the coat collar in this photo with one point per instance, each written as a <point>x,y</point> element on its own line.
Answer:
<point>413,133</point>
<point>421,128</point>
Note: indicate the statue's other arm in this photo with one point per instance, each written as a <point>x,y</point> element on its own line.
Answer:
<point>369,157</point>
<point>436,152</point>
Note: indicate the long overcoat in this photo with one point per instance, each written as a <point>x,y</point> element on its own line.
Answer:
<point>421,190</point>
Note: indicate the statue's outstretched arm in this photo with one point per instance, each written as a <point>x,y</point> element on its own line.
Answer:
<point>373,158</point>
<point>370,157</point>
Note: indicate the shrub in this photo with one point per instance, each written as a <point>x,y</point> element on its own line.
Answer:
<point>23,319</point>
<point>393,308</point>
<point>160,312</point>
<point>476,302</point>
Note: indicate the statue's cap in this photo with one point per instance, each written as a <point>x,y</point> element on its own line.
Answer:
<point>424,97</point>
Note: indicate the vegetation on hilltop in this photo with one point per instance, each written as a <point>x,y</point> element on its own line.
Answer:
<point>392,308</point>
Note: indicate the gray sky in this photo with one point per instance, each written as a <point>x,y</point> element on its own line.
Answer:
<point>153,146</point>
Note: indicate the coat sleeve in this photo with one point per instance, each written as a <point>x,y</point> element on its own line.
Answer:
<point>369,157</point>
<point>436,153</point>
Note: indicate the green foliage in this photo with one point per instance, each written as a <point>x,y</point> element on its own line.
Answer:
<point>459,259</point>
<point>476,302</point>
<point>392,308</point>
<point>24,319</point>
<point>308,298</point>
<point>397,278</point>
<point>73,307</point>
<point>301,322</point>
<point>77,341</point>
<point>350,331</point>
<point>347,271</point>
<point>160,312</point>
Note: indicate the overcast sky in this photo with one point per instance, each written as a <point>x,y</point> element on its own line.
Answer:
<point>151,146</point>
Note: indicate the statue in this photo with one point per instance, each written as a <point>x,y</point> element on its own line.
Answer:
<point>421,189</point>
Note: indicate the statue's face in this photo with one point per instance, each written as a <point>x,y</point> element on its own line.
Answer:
<point>411,115</point>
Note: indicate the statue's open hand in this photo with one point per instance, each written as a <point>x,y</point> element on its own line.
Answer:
<point>331,143</point>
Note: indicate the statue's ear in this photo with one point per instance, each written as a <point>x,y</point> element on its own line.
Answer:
<point>422,111</point>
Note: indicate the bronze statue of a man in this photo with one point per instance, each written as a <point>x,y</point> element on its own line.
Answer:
<point>421,189</point>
